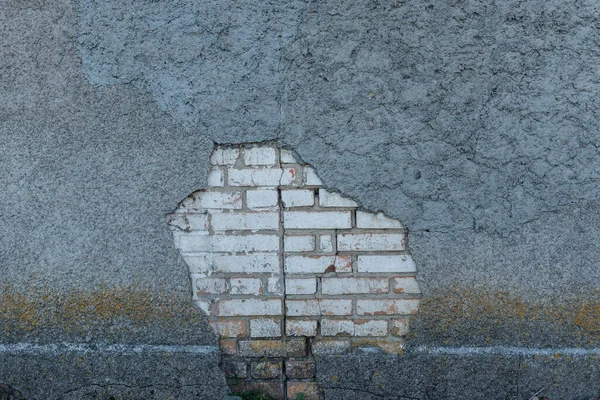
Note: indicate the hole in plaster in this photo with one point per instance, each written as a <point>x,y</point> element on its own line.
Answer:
<point>285,268</point>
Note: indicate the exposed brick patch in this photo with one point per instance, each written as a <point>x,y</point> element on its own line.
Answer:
<point>285,268</point>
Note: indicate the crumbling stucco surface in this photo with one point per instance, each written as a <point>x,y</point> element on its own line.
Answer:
<point>475,123</point>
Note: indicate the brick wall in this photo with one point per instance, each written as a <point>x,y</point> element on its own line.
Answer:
<point>286,269</point>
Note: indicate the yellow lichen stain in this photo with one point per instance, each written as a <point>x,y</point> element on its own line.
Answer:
<point>449,309</point>
<point>43,308</point>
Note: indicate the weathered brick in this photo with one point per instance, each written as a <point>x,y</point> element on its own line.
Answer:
<point>273,389</point>
<point>262,198</point>
<point>318,307</point>
<point>300,369</point>
<point>354,285</point>
<point>248,264</point>
<point>260,156</point>
<point>202,242</point>
<point>370,327</point>
<point>216,177</point>
<point>242,307</point>
<point>265,220</point>
<point>290,177</point>
<point>254,176</point>
<point>267,369</point>
<point>333,199</point>
<point>396,263</point>
<point>311,178</point>
<point>300,285</point>
<point>367,220</point>
<point>371,241</point>
<point>287,157</point>
<point>309,390</point>
<point>224,156</point>
<point>298,197</point>
<point>330,346</point>
<point>325,243</point>
<point>337,327</point>
<point>294,243</point>
<point>188,222</point>
<point>275,284</point>
<point>295,327</point>
<point>386,306</point>
<point>264,327</point>
<point>317,264</point>
<point>210,286</point>
<point>390,346</point>
<point>214,200</point>
<point>230,327</point>
<point>206,306</point>
<point>317,219</point>
<point>235,369</point>
<point>228,346</point>
<point>295,347</point>
<point>400,326</point>
<point>407,285</point>
<point>246,286</point>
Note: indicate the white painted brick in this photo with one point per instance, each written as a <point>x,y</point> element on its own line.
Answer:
<point>262,198</point>
<point>317,219</point>
<point>354,285</point>
<point>246,286</point>
<point>386,306</point>
<point>260,156</point>
<point>245,221</point>
<point>189,222</point>
<point>300,285</point>
<point>400,327</point>
<point>318,307</point>
<point>216,177</point>
<point>224,156</point>
<point>247,264</point>
<point>378,221</point>
<point>370,327</point>
<point>254,177</point>
<point>371,241</point>
<point>205,306</point>
<point>241,307</point>
<point>287,156</point>
<point>311,178</point>
<point>275,284</point>
<point>209,286</point>
<point>290,177</point>
<point>406,285</point>
<point>334,327</point>
<point>298,198</point>
<point>199,242</point>
<point>332,199</point>
<point>300,327</point>
<point>325,243</point>
<point>200,264</point>
<point>399,263</point>
<point>293,243</point>
<point>214,200</point>
<point>317,264</point>
<point>265,327</point>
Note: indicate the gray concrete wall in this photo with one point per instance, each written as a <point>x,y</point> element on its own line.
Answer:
<point>474,123</point>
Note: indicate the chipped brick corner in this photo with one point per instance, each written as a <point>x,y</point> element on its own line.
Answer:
<point>286,269</point>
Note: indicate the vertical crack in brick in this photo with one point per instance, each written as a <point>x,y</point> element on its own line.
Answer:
<point>286,269</point>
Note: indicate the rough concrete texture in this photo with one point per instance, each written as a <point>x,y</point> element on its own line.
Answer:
<point>423,377</point>
<point>474,123</point>
<point>74,376</point>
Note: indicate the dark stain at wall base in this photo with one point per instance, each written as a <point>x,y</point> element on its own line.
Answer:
<point>468,316</point>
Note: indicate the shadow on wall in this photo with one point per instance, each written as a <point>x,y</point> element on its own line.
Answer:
<point>286,269</point>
